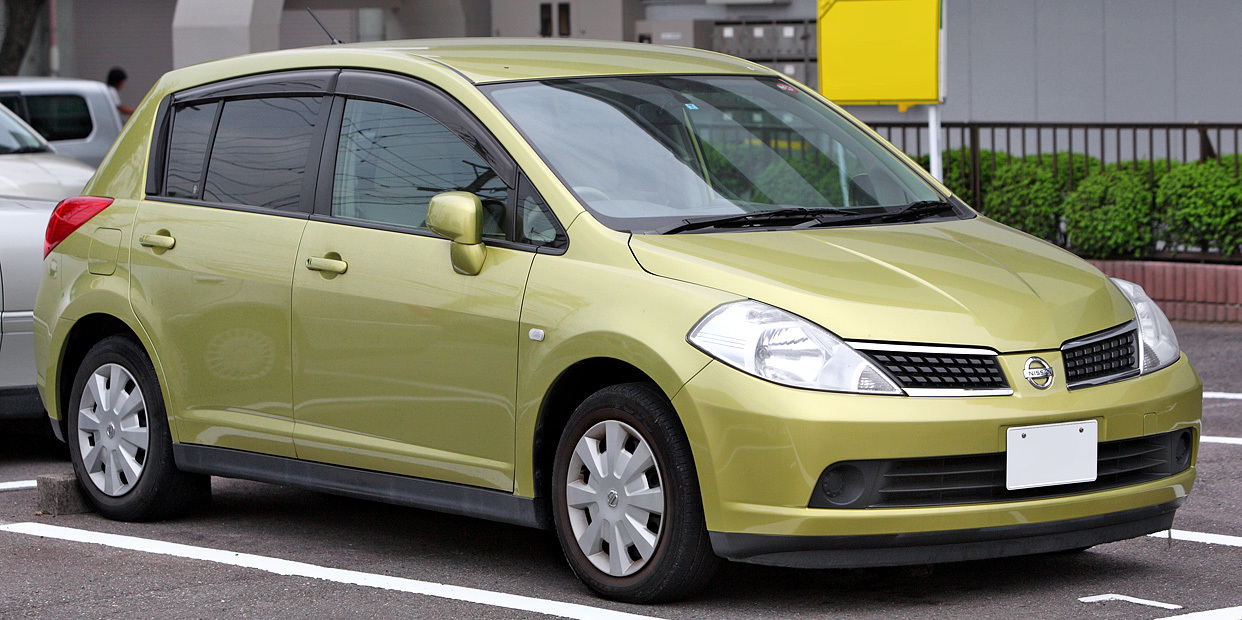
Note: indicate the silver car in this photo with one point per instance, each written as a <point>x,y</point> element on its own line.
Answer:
<point>22,224</point>
<point>31,168</point>
<point>78,117</point>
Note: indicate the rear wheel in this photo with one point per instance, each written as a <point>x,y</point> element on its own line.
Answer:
<point>626,499</point>
<point>119,440</point>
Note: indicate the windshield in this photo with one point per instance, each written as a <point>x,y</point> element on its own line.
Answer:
<point>648,154</point>
<point>16,137</point>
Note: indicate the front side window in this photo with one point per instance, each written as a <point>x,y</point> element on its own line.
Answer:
<point>391,160</point>
<point>650,154</point>
<point>60,117</point>
<point>258,157</point>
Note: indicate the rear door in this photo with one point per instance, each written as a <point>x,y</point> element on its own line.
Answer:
<point>401,364</point>
<point>213,251</point>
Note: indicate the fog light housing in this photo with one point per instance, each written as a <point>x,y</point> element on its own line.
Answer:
<point>840,486</point>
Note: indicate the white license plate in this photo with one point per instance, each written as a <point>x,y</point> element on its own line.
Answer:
<point>1050,454</point>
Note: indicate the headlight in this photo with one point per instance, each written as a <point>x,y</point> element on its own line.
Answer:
<point>772,344</point>
<point>1160,346</point>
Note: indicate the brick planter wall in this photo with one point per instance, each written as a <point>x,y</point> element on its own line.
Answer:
<point>1185,291</point>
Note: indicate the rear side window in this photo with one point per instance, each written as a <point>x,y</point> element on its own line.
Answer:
<point>258,156</point>
<point>59,117</point>
<point>187,149</point>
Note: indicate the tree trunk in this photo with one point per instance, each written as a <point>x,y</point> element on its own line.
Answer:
<point>20,17</point>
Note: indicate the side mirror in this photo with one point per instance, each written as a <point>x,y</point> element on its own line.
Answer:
<point>458,217</point>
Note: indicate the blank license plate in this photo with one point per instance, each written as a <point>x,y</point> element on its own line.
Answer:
<point>1050,454</point>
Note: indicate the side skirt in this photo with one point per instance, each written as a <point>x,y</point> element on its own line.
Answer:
<point>390,488</point>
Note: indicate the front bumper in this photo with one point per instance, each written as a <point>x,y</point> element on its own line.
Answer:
<point>950,546</point>
<point>760,448</point>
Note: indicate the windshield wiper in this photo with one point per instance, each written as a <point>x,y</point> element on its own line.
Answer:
<point>790,214</point>
<point>918,210</point>
<point>909,213</point>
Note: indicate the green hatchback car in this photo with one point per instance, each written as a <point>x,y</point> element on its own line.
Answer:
<point>665,302</point>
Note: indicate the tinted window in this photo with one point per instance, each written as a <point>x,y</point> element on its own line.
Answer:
<point>391,160</point>
<point>59,117</point>
<point>259,154</point>
<point>13,103</point>
<point>187,149</point>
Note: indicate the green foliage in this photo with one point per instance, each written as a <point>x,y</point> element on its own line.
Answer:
<point>1110,215</point>
<point>810,181</point>
<point>957,176</point>
<point>1201,206</point>
<point>1026,197</point>
<point>1150,171</point>
<point>1063,165</point>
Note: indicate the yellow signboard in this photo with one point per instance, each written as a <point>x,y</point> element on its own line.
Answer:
<point>880,52</point>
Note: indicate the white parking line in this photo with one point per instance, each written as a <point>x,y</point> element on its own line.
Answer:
<point>1223,395</point>
<point>300,569</point>
<point>1211,539</point>
<point>1232,440</point>
<point>18,484</point>
<point>1228,613</point>
<point>1129,599</point>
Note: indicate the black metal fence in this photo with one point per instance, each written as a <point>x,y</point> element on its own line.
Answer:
<point>1145,146</point>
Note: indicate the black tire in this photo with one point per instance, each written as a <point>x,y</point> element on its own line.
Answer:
<point>682,562</point>
<point>161,490</point>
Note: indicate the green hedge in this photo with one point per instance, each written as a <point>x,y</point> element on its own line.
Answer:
<point>1026,197</point>
<point>1115,210</point>
<point>1109,215</point>
<point>1201,207</point>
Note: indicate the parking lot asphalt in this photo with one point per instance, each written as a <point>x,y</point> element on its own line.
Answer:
<point>297,554</point>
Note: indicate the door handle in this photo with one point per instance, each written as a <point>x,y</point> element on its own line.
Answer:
<point>329,265</point>
<point>163,242</point>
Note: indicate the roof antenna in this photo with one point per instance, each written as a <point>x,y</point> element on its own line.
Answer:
<point>335,41</point>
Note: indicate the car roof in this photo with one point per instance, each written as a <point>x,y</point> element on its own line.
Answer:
<point>484,60</point>
<point>49,84</point>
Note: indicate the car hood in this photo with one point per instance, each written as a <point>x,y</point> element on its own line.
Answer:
<point>42,175</point>
<point>964,282</point>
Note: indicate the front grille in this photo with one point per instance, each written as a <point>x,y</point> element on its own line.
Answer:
<point>937,371</point>
<point>1102,357</point>
<point>980,478</point>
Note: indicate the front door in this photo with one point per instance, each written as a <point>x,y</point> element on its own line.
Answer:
<point>401,364</point>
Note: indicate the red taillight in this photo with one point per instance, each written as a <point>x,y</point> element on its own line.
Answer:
<point>70,215</point>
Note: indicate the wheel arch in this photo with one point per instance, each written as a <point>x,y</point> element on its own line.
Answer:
<point>570,388</point>
<point>80,336</point>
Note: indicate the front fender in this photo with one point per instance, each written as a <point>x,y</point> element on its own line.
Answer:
<point>596,303</point>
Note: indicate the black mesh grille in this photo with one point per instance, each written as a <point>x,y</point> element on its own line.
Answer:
<point>980,478</point>
<point>942,371</point>
<point>1101,360</point>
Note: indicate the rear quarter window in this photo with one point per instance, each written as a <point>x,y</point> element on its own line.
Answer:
<point>187,149</point>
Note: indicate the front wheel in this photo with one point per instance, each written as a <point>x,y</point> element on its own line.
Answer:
<point>626,499</point>
<point>119,440</point>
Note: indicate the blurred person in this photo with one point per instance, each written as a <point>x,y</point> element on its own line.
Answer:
<point>116,81</point>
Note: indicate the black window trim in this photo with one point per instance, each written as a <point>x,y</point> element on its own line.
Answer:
<point>295,83</point>
<point>424,98</point>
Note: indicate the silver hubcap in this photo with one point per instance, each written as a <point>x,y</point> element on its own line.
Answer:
<point>615,498</point>
<point>113,430</point>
